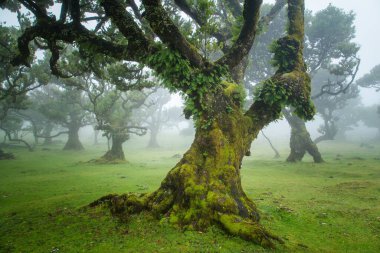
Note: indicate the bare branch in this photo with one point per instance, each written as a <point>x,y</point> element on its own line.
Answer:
<point>331,87</point>
<point>267,19</point>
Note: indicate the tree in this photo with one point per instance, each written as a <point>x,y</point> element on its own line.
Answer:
<point>15,82</point>
<point>63,106</point>
<point>332,62</point>
<point>154,115</point>
<point>114,90</point>
<point>262,68</point>
<point>113,110</point>
<point>371,80</point>
<point>204,188</point>
<point>329,104</point>
<point>370,116</point>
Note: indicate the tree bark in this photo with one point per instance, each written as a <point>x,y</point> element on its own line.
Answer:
<point>116,152</point>
<point>73,142</point>
<point>300,140</point>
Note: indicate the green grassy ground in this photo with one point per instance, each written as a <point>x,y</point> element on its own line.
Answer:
<point>330,207</point>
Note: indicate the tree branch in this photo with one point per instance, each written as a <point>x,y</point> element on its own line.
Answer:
<point>326,89</point>
<point>247,35</point>
<point>70,33</point>
<point>127,26</point>
<point>235,7</point>
<point>274,11</point>
<point>169,33</point>
<point>53,136</point>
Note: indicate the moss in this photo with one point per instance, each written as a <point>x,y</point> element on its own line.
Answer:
<point>194,189</point>
<point>173,219</point>
<point>234,91</point>
<point>288,89</point>
<point>287,54</point>
<point>248,230</point>
<point>206,182</point>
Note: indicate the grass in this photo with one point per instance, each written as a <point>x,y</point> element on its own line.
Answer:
<point>329,207</point>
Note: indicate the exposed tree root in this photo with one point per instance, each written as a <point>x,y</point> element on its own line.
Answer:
<point>246,229</point>
<point>122,206</point>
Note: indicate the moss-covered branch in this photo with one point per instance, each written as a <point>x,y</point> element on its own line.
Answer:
<point>243,44</point>
<point>127,26</point>
<point>290,86</point>
<point>169,33</point>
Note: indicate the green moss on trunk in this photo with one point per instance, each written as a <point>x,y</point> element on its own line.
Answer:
<point>204,188</point>
<point>116,152</point>
<point>300,140</point>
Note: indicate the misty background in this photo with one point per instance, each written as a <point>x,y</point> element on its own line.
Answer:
<point>366,24</point>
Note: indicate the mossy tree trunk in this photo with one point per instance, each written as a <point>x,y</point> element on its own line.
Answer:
<point>204,188</point>
<point>116,152</point>
<point>73,142</point>
<point>300,140</point>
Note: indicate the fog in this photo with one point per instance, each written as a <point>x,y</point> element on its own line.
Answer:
<point>366,24</point>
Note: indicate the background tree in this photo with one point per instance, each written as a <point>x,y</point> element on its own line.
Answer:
<point>154,115</point>
<point>114,90</point>
<point>63,106</point>
<point>329,104</point>
<point>15,82</point>
<point>332,62</point>
<point>113,110</point>
<point>262,67</point>
<point>370,116</point>
<point>371,79</point>
<point>204,188</point>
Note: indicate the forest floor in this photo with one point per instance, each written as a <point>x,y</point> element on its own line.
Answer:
<point>329,207</point>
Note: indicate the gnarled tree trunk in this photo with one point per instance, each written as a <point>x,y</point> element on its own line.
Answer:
<point>73,142</point>
<point>116,152</point>
<point>329,129</point>
<point>300,140</point>
<point>204,188</point>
